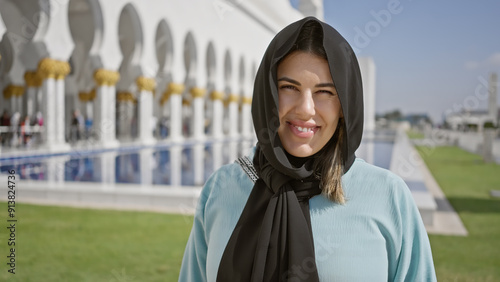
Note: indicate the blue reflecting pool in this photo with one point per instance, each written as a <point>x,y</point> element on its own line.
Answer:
<point>186,165</point>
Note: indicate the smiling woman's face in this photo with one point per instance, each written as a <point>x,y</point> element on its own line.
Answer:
<point>309,107</point>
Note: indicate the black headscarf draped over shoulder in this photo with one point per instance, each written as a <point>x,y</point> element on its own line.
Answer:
<point>273,236</point>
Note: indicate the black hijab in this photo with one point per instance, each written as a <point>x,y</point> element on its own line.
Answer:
<point>272,240</point>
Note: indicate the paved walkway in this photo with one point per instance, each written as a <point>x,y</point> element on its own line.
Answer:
<point>437,213</point>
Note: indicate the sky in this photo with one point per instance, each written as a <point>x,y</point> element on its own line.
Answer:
<point>431,57</point>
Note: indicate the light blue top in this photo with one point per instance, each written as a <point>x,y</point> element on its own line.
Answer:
<point>378,235</point>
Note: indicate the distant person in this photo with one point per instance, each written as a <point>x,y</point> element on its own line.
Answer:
<point>154,126</point>
<point>26,130</point>
<point>5,123</point>
<point>88,126</point>
<point>77,125</point>
<point>164,125</point>
<point>302,207</point>
<point>39,119</point>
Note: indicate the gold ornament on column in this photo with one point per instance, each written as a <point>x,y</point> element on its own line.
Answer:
<point>145,84</point>
<point>246,100</point>
<point>47,68</point>
<point>232,98</point>
<point>198,92</point>
<point>63,70</point>
<point>172,89</point>
<point>217,95</point>
<point>83,96</point>
<point>106,77</point>
<point>87,96</point>
<point>13,90</point>
<point>33,79</point>
<point>50,68</point>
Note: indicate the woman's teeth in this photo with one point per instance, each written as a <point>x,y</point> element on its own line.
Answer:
<point>303,129</point>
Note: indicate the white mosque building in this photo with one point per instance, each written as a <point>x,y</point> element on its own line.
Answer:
<point>127,64</point>
<point>474,120</point>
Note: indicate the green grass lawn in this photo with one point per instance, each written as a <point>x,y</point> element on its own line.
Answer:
<point>467,180</point>
<point>70,244</point>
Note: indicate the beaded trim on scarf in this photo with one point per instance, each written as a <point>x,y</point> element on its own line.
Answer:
<point>247,166</point>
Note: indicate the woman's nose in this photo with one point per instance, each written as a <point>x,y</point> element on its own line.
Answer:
<point>305,107</point>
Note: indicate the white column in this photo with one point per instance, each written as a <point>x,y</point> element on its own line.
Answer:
<point>100,114</point>
<point>53,72</point>
<point>145,117</point>
<point>198,113</point>
<point>217,131</point>
<point>173,93</point>
<point>175,103</point>
<point>104,120</point>
<point>198,133</point>
<point>59,111</point>
<point>111,117</point>
<point>30,101</point>
<point>146,87</point>
<point>49,112</point>
<point>105,107</point>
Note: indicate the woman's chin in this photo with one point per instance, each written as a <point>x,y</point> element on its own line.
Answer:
<point>301,151</point>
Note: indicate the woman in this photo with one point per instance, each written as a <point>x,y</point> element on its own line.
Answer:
<point>305,209</point>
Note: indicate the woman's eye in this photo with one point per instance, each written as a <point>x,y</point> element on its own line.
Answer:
<point>291,87</point>
<point>327,92</point>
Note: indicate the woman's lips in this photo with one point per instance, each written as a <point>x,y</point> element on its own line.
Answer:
<point>302,129</point>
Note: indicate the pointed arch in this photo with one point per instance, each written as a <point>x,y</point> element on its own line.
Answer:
<point>164,47</point>
<point>190,57</point>
<point>130,34</point>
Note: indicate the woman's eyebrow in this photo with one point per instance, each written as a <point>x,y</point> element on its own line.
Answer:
<point>284,78</point>
<point>327,84</point>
